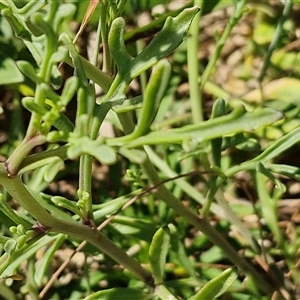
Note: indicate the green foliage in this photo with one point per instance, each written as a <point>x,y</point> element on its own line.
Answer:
<point>217,286</point>
<point>154,208</point>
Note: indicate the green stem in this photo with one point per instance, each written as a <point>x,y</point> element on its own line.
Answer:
<point>35,117</point>
<point>85,185</point>
<point>93,73</point>
<point>276,38</point>
<point>17,190</point>
<point>193,68</point>
<point>163,292</point>
<point>14,161</point>
<point>198,222</point>
<point>100,113</point>
<point>50,47</point>
<point>29,160</point>
<point>269,208</point>
<point>204,226</point>
<point>238,13</point>
<point>107,61</point>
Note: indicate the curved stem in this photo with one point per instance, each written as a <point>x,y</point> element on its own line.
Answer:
<point>199,222</point>
<point>13,163</point>
<point>16,189</point>
<point>204,226</point>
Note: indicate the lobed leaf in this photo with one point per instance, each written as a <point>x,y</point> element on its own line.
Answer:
<point>96,148</point>
<point>235,122</point>
<point>168,39</point>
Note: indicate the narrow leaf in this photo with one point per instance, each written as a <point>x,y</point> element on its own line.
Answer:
<point>262,169</point>
<point>291,171</point>
<point>118,293</point>
<point>27,69</point>
<point>53,168</point>
<point>67,204</point>
<point>155,91</point>
<point>46,259</point>
<point>235,122</point>
<point>168,39</point>
<point>217,286</point>
<point>279,146</point>
<point>158,253</point>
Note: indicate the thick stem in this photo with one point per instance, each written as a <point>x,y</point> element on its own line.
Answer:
<point>13,163</point>
<point>16,189</point>
<point>193,68</point>
<point>85,185</point>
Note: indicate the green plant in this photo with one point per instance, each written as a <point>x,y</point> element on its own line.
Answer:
<point>51,220</point>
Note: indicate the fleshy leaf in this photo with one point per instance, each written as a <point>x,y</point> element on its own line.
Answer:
<point>217,286</point>
<point>168,39</point>
<point>67,204</point>
<point>96,148</point>
<point>279,146</point>
<point>53,168</point>
<point>235,122</point>
<point>158,253</point>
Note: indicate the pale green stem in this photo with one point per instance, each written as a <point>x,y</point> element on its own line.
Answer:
<point>29,160</point>
<point>107,62</point>
<point>205,227</point>
<point>238,12</point>
<point>193,68</point>
<point>93,73</point>
<point>199,222</point>
<point>269,208</point>
<point>276,38</point>
<point>85,184</point>
<point>14,161</point>
<point>17,190</point>
<point>94,59</point>
<point>35,117</point>
<point>216,90</point>
<point>164,293</point>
